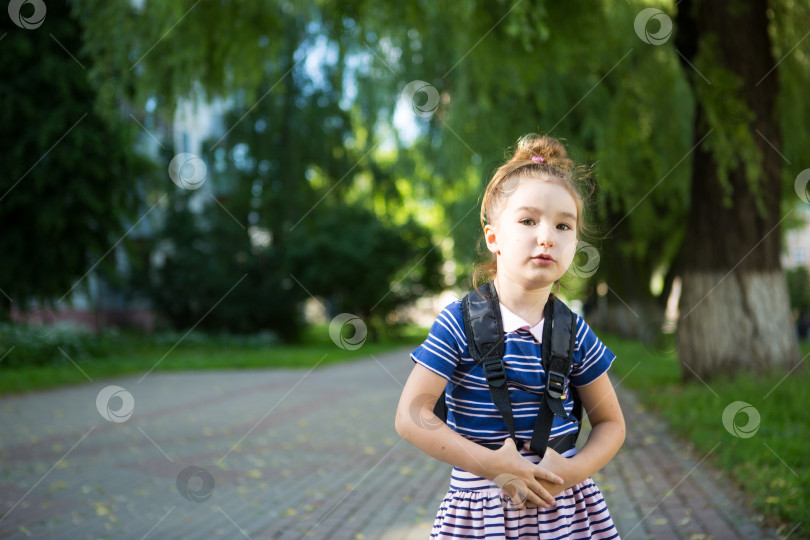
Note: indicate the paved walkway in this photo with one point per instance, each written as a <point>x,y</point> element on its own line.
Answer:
<point>283,454</point>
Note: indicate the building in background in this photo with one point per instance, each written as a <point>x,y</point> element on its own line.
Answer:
<point>796,252</point>
<point>796,255</point>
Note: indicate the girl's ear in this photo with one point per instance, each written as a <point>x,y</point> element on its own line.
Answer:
<point>491,238</point>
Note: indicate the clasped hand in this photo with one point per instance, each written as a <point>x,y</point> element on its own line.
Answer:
<point>527,484</point>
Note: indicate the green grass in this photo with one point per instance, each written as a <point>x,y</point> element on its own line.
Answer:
<point>770,466</point>
<point>139,356</point>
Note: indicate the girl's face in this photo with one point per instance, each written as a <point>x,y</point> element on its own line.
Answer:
<point>534,234</point>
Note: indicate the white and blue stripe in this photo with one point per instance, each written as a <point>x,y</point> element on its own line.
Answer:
<point>470,409</point>
<point>474,506</point>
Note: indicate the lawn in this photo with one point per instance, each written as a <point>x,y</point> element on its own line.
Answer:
<point>139,355</point>
<point>769,460</point>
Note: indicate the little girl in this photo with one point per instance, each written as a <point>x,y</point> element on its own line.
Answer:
<point>531,214</point>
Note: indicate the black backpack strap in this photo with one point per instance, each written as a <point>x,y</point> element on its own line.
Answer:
<point>440,409</point>
<point>559,336</point>
<point>483,327</point>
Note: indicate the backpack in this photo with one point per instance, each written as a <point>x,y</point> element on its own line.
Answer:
<point>483,328</point>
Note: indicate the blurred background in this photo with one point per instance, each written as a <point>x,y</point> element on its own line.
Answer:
<point>330,157</point>
<point>215,176</point>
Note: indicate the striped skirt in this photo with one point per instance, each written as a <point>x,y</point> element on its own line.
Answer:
<point>475,507</point>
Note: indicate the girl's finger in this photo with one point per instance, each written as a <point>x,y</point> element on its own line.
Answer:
<point>542,473</point>
<point>509,444</point>
<point>544,498</point>
<point>547,498</point>
<point>536,502</point>
<point>533,500</point>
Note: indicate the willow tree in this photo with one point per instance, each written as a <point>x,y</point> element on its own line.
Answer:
<point>718,226</point>
<point>573,70</point>
<point>295,145</point>
<point>495,69</point>
<point>67,190</point>
<point>734,308</point>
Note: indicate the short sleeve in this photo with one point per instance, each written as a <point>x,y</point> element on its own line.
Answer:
<point>441,351</point>
<point>591,357</point>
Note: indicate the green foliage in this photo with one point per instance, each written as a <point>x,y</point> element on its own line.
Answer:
<point>39,345</point>
<point>361,265</point>
<point>212,277</point>
<point>770,466</point>
<point>798,282</point>
<point>60,345</point>
<point>68,188</point>
<point>574,70</point>
<point>194,351</point>
<point>790,21</point>
<point>626,116</point>
<point>168,49</point>
<point>728,117</point>
<point>642,165</point>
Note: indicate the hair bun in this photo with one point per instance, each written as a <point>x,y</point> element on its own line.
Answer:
<point>548,148</point>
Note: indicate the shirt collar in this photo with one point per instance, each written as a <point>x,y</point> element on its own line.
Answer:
<point>512,322</point>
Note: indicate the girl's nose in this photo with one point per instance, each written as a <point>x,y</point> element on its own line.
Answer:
<point>545,237</point>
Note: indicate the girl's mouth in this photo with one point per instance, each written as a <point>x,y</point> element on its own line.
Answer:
<point>543,259</point>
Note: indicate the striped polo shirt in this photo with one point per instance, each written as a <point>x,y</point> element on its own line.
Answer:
<point>471,412</point>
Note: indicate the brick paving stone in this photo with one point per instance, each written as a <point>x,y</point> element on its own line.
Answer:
<point>293,454</point>
<point>619,498</point>
<point>663,474</point>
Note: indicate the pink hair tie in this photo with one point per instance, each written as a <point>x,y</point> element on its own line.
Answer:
<point>537,159</point>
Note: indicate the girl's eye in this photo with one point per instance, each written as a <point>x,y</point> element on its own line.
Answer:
<point>564,227</point>
<point>527,221</point>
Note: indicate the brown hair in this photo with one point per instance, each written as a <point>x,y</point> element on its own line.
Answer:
<point>535,157</point>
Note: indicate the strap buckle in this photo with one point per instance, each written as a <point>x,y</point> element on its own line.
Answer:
<point>496,374</point>
<point>555,384</point>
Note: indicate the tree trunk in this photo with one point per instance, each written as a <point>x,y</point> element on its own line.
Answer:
<point>628,308</point>
<point>734,307</point>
